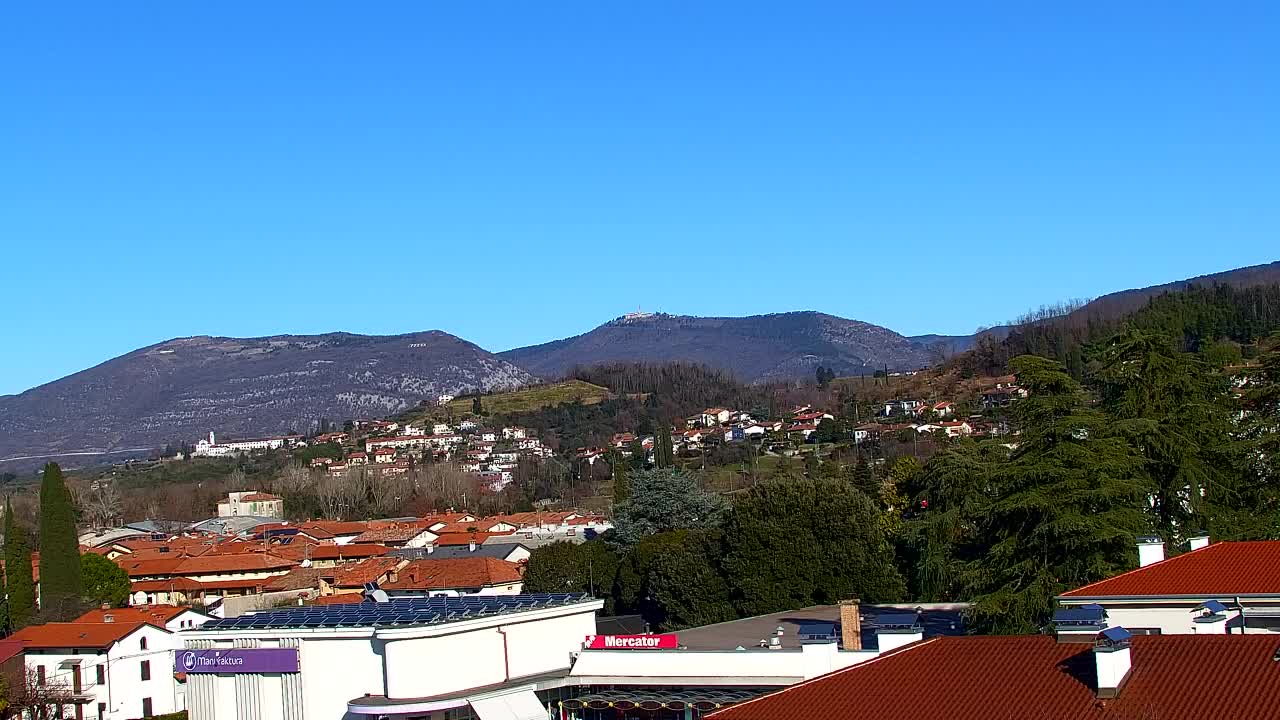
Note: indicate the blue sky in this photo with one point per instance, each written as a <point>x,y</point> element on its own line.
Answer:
<point>517,172</point>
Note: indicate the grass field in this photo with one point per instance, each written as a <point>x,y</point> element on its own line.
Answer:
<point>535,398</point>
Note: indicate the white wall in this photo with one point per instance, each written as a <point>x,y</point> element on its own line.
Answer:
<point>125,688</point>
<point>336,670</point>
<point>728,667</point>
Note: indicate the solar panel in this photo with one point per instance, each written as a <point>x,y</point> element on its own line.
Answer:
<point>399,611</point>
<point>1085,615</point>
<point>897,620</point>
<point>1116,635</point>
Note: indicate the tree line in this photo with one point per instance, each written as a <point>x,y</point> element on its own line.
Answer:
<point>1153,439</point>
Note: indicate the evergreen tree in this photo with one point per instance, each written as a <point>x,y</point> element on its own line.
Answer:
<point>60,587</point>
<point>864,479</point>
<point>795,543</point>
<point>1063,511</point>
<point>621,487</point>
<point>588,567</point>
<point>1169,405</point>
<point>661,501</point>
<point>1259,450</point>
<point>18,575</point>
<point>477,407</point>
<point>104,581</point>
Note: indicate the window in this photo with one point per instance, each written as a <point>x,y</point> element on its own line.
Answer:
<point>146,707</point>
<point>146,669</point>
<point>40,675</point>
<point>102,711</point>
<point>102,674</point>
<point>143,642</point>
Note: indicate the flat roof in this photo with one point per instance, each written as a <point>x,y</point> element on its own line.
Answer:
<point>396,612</point>
<point>748,632</point>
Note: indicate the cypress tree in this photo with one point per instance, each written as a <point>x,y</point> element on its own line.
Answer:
<point>60,586</point>
<point>19,584</point>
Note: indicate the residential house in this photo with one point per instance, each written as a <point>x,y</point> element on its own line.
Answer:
<point>352,577</point>
<point>384,455</point>
<point>251,502</point>
<point>1105,675</point>
<point>109,670</point>
<point>169,617</point>
<point>514,433</point>
<point>461,576</point>
<point>1225,587</point>
<point>398,535</point>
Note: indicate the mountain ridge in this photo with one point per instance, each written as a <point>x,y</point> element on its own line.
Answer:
<point>755,348</point>
<point>179,389</point>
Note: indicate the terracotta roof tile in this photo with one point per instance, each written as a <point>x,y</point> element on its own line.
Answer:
<point>469,572</point>
<point>75,634</point>
<point>1225,568</point>
<point>1174,677</point>
<point>365,571</point>
<point>154,614</point>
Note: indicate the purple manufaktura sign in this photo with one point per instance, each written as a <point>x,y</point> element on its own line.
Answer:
<point>237,660</point>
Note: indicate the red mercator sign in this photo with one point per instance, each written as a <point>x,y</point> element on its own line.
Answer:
<point>632,642</point>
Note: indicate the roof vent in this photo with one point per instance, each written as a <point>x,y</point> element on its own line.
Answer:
<point>108,618</point>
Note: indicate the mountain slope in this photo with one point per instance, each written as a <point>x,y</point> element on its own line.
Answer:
<point>1117,304</point>
<point>755,349</point>
<point>181,389</point>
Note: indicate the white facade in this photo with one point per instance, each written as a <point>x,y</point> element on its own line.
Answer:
<point>123,693</point>
<point>389,671</point>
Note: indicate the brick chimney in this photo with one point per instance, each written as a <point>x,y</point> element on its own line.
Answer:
<point>851,624</point>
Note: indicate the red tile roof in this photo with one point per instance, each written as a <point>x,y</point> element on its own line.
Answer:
<point>154,614</point>
<point>365,571</point>
<point>167,585</point>
<point>466,538</point>
<point>1174,677</point>
<point>75,634</point>
<point>468,572</point>
<point>1225,568</point>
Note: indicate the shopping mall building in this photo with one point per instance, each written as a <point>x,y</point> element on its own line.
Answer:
<point>518,657</point>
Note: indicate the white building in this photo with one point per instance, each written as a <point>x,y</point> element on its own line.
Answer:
<point>421,658</point>
<point>1226,587</point>
<point>253,503</point>
<point>211,448</point>
<point>113,670</point>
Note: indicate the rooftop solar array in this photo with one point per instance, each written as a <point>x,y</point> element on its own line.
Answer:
<point>1083,615</point>
<point>397,612</point>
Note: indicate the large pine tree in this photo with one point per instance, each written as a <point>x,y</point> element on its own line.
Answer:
<point>19,583</point>
<point>1170,407</point>
<point>1063,510</point>
<point>60,585</point>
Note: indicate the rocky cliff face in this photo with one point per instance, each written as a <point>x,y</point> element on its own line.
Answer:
<point>241,387</point>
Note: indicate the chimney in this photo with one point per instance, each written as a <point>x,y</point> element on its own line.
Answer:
<point>851,624</point>
<point>1198,542</point>
<point>1113,660</point>
<point>1150,550</point>
<point>431,548</point>
<point>108,618</point>
<point>472,546</point>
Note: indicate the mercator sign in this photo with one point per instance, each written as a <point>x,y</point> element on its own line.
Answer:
<point>667,641</point>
